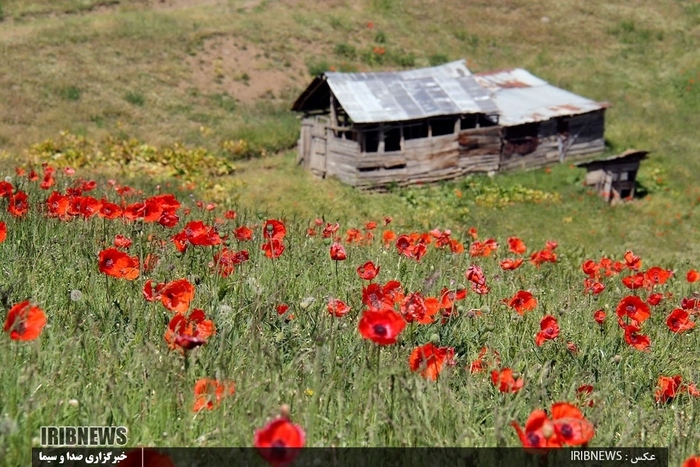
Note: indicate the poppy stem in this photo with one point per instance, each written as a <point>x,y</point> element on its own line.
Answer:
<point>379,353</point>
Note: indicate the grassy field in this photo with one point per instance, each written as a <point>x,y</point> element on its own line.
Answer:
<point>192,98</point>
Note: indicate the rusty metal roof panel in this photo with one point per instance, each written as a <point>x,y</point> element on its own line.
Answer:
<point>448,89</point>
<point>523,98</point>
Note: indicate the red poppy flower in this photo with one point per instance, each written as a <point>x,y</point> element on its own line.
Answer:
<point>150,262</point>
<point>274,229</point>
<point>180,241</point>
<point>567,426</point>
<point>149,293</point>
<point>636,340</point>
<point>657,276</point>
<point>337,252</point>
<point>376,296</point>
<point>511,264</point>
<point>279,441</point>
<point>505,382</point>
<point>448,297</point>
<point>57,205</point>
<point>354,236</point>
<point>388,236</point>
<point>273,248</point>
<point>414,307</point>
<point>634,282</point>
<point>543,256</point>
<point>197,233</point>
<point>405,245</point>
<point>3,231</point>
<point>208,393</point>
<point>243,233</point>
<point>109,210</point>
<point>168,219</point>
<point>120,241</point>
<point>692,390</point>
<point>592,286</point>
<point>430,360</point>
<point>6,189</point>
<point>18,205</point>
<point>521,302</point>
<point>337,308</point>
<point>368,271</point>
<point>679,321</point>
<point>330,229</point>
<point>478,248</point>
<point>480,365</point>
<point>572,347</point>
<point>591,269</point>
<point>688,303</point>
<point>188,332</point>
<point>475,275</point>
<point>516,245</point>
<point>118,264</point>
<point>633,308</point>
<point>667,387</point>
<point>633,261</point>
<point>693,461</point>
<point>692,276</point>
<point>381,326</point>
<point>177,295</point>
<point>539,431</point>
<point>24,321</point>
<point>472,232</point>
<point>599,316</point>
<point>655,298</point>
<point>225,261</point>
<point>549,329</point>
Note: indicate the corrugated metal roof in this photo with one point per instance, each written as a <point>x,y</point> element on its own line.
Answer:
<point>448,89</point>
<point>522,97</point>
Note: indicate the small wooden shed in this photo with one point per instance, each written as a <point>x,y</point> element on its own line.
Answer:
<point>614,178</point>
<point>432,124</point>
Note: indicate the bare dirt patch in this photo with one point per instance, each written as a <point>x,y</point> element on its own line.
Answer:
<point>244,71</point>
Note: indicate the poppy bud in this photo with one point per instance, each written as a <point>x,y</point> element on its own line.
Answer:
<point>434,338</point>
<point>547,430</point>
<point>285,410</point>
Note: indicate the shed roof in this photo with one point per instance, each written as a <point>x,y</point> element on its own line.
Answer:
<point>522,97</point>
<point>631,155</point>
<point>448,89</point>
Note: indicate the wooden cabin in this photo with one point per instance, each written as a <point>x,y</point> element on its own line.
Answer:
<point>438,123</point>
<point>614,178</point>
<point>543,124</point>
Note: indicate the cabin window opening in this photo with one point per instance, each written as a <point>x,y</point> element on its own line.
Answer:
<point>415,130</point>
<point>527,130</point>
<point>468,122</point>
<point>563,126</point>
<point>486,121</point>
<point>392,139</point>
<point>442,126</point>
<point>371,140</point>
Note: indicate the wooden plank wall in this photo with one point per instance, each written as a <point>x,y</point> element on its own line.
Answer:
<point>432,159</point>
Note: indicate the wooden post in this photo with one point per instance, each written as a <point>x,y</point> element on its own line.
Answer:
<point>334,117</point>
<point>380,147</point>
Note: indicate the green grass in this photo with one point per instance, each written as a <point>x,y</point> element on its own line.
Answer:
<point>106,350</point>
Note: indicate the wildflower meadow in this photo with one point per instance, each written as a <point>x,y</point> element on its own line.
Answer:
<point>194,324</point>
